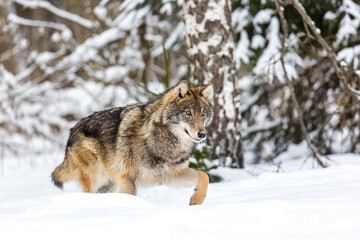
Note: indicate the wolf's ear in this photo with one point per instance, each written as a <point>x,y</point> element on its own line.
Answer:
<point>181,89</point>
<point>207,91</point>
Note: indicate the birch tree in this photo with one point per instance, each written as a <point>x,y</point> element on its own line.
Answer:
<point>210,45</point>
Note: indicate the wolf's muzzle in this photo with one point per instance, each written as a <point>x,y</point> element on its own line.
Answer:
<point>201,134</point>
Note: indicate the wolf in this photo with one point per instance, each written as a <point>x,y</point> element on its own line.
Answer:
<point>140,145</point>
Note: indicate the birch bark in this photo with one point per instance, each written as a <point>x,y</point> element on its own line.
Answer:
<point>210,45</point>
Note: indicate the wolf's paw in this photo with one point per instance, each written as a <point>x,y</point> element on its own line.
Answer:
<point>197,198</point>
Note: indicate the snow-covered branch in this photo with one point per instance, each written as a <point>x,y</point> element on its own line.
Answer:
<point>339,69</point>
<point>263,128</point>
<point>89,49</point>
<point>34,4</point>
<point>35,23</point>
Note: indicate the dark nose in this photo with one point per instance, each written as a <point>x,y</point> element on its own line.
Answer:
<point>201,134</point>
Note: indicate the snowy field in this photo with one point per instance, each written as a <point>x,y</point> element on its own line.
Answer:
<point>299,202</point>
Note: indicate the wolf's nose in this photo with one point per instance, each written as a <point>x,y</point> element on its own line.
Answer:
<point>201,134</point>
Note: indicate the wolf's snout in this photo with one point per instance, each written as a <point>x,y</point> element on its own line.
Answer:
<point>201,134</point>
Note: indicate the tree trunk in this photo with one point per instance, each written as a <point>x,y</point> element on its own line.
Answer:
<point>210,42</point>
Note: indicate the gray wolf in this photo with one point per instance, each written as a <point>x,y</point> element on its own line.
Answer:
<point>140,145</point>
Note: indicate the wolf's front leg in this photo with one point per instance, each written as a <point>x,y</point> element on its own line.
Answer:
<point>191,177</point>
<point>127,185</point>
<point>200,189</point>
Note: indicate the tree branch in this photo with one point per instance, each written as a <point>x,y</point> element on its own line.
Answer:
<point>35,23</point>
<point>86,23</point>
<point>340,72</point>
<point>284,26</point>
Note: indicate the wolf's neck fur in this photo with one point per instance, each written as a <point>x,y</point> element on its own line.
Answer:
<point>159,138</point>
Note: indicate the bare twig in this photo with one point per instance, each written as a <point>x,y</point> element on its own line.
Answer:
<point>339,69</point>
<point>147,90</point>
<point>284,26</point>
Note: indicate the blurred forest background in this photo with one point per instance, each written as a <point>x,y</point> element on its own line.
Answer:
<point>60,60</point>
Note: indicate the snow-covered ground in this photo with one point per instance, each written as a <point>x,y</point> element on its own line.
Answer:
<point>299,202</point>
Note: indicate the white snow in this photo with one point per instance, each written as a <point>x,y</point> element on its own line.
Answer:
<point>101,12</point>
<point>176,35</point>
<point>240,17</point>
<point>330,16</point>
<point>269,64</point>
<point>263,16</point>
<point>351,55</point>
<point>347,28</point>
<point>242,52</point>
<point>55,37</point>
<point>114,73</point>
<point>166,8</point>
<point>257,41</point>
<point>88,49</point>
<point>66,35</point>
<point>271,54</point>
<point>129,19</point>
<point>255,203</point>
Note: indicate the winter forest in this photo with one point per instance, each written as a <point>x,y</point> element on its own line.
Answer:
<point>281,152</point>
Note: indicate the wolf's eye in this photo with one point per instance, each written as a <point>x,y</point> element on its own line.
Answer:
<point>188,112</point>
<point>203,114</point>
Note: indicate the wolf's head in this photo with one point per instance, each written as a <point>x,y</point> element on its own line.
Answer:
<point>189,110</point>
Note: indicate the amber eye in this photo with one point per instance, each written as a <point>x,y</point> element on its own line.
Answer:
<point>203,114</point>
<point>188,112</point>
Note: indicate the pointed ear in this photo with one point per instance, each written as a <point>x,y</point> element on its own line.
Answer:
<point>181,89</point>
<point>207,91</point>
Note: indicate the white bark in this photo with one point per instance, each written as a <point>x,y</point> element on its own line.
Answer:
<point>210,42</point>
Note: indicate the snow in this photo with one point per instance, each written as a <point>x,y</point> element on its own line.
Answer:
<point>100,12</point>
<point>242,52</point>
<point>330,16</point>
<point>114,73</point>
<point>257,41</point>
<point>156,87</point>
<point>269,64</point>
<point>88,50</point>
<point>66,35</point>
<point>176,35</point>
<point>351,55</point>
<point>240,18</point>
<point>55,37</point>
<point>347,27</point>
<point>259,127</point>
<point>166,8</point>
<point>271,54</point>
<point>130,19</point>
<point>255,203</point>
<point>263,16</point>
<point>352,8</point>
<point>45,57</point>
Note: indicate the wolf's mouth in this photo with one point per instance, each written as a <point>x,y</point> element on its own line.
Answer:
<point>195,140</point>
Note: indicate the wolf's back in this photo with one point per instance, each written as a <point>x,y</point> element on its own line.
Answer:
<point>100,128</point>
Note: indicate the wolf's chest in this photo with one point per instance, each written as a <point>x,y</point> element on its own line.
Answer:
<point>160,174</point>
